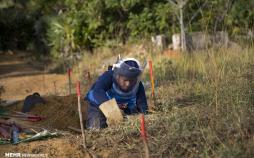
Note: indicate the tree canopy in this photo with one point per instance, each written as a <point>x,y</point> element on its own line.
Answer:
<point>66,26</point>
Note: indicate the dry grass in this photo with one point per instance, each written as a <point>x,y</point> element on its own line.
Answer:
<point>204,108</point>
<point>214,91</point>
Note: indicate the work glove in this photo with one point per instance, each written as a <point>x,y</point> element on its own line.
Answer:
<point>112,112</point>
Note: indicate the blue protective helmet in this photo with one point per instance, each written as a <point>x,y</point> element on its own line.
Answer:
<point>128,67</point>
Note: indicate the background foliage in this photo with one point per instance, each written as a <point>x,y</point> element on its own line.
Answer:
<point>69,26</point>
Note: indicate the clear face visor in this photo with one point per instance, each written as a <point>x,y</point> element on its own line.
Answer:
<point>127,84</point>
<point>137,78</point>
<point>133,80</point>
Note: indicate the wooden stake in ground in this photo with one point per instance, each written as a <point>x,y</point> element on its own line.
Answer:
<point>143,135</point>
<point>69,80</point>
<point>55,87</point>
<point>43,78</point>
<point>80,115</point>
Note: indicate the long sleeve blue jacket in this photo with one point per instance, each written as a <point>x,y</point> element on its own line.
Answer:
<point>98,92</point>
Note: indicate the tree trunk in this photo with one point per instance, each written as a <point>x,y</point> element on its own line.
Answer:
<point>183,39</point>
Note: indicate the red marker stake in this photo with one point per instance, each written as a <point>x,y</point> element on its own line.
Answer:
<point>69,79</point>
<point>143,135</point>
<point>80,115</point>
<point>78,89</point>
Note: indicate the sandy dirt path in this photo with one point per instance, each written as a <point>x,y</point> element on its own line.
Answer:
<point>21,75</point>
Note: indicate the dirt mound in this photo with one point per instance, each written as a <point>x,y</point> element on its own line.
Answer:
<point>60,112</point>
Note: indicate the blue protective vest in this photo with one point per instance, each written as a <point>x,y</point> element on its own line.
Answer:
<point>129,98</point>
